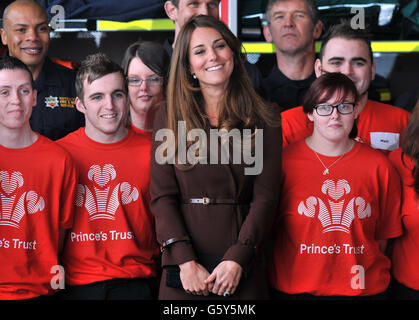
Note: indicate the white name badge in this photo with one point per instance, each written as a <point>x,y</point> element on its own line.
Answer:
<point>385,140</point>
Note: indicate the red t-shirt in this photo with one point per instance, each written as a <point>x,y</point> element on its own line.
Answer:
<point>145,133</point>
<point>329,225</point>
<point>379,125</point>
<point>113,233</point>
<point>405,256</point>
<point>37,191</point>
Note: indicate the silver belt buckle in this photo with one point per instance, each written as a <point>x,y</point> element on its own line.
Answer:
<point>205,200</point>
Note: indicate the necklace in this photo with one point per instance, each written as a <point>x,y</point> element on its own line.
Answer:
<point>326,169</point>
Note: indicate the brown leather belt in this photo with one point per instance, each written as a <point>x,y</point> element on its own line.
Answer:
<point>207,201</point>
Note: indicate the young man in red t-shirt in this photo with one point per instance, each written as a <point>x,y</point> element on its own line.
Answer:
<point>111,251</point>
<point>37,189</point>
<point>348,51</point>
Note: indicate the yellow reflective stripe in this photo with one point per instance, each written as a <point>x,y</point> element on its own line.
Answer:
<point>385,96</point>
<point>395,46</point>
<point>258,47</point>
<point>377,46</point>
<point>146,24</point>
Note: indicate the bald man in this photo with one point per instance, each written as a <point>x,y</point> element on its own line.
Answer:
<point>25,32</point>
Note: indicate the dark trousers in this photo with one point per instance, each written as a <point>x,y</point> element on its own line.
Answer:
<point>113,289</point>
<point>278,295</point>
<point>398,291</point>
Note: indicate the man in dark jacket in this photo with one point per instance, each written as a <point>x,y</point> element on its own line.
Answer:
<point>292,26</point>
<point>26,33</point>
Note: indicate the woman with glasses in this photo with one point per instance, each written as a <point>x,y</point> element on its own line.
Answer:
<point>146,66</point>
<point>339,205</point>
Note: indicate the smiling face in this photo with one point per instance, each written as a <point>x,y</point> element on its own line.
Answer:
<point>350,57</point>
<point>210,58</point>
<point>17,98</point>
<point>105,108</point>
<point>26,34</point>
<point>291,28</point>
<point>335,127</point>
<point>148,95</point>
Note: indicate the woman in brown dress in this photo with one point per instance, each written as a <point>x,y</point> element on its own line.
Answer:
<point>215,170</point>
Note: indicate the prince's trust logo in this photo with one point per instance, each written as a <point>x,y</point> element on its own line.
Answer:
<point>102,197</point>
<point>333,213</point>
<point>16,202</point>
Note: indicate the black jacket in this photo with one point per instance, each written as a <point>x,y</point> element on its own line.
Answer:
<point>55,114</point>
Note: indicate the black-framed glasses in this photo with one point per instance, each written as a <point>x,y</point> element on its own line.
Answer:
<point>325,109</point>
<point>153,81</point>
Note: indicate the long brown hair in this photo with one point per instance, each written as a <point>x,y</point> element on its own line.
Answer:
<point>410,145</point>
<point>240,107</point>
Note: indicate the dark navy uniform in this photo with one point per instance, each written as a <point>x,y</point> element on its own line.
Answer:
<point>55,114</point>
<point>285,92</point>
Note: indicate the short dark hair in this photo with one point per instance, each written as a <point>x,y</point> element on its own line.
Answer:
<point>152,54</point>
<point>93,67</point>
<point>11,63</point>
<point>311,6</point>
<point>175,3</point>
<point>324,87</point>
<point>345,31</point>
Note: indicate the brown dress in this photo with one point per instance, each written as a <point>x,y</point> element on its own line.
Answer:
<point>225,231</point>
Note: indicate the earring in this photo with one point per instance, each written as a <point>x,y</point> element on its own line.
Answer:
<point>194,76</point>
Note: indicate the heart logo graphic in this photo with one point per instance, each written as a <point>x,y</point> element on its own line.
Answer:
<point>34,202</point>
<point>336,191</point>
<point>101,176</point>
<point>9,183</point>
